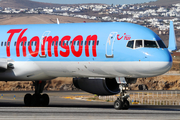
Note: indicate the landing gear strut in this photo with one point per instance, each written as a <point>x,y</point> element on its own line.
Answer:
<point>122,102</point>
<point>37,99</point>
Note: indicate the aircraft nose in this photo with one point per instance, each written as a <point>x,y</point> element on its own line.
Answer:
<point>160,61</point>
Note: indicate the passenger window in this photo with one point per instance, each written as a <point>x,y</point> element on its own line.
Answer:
<point>8,43</point>
<point>63,43</point>
<point>85,42</point>
<point>24,43</point>
<point>14,43</point>
<point>138,43</point>
<point>56,43</point>
<point>93,43</point>
<point>5,44</point>
<point>74,42</point>
<point>89,42</point>
<point>77,42</point>
<point>31,43</point>
<point>1,43</point>
<point>98,42</point>
<point>60,43</point>
<point>81,42</point>
<point>28,43</point>
<point>53,43</point>
<point>150,44</point>
<point>130,44</point>
<point>67,42</point>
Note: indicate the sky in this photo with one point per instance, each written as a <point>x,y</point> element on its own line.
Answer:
<point>95,1</point>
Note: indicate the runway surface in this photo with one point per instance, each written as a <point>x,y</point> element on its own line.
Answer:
<point>12,107</point>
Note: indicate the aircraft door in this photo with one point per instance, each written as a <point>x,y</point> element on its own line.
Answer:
<point>110,44</point>
<point>42,42</point>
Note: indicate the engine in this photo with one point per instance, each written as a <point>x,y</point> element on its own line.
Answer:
<point>99,86</point>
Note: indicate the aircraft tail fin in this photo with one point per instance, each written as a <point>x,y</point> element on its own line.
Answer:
<point>172,38</point>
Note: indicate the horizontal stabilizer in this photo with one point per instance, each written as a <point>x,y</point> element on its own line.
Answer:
<point>172,38</point>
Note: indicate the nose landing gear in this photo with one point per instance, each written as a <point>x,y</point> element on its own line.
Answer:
<point>37,99</point>
<point>122,102</point>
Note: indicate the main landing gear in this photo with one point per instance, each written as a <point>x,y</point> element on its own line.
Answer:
<point>37,99</point>
<point>122,101</point>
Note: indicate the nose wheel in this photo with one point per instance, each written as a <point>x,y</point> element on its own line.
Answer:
<point>37,99</point>
<point>121,105</point>
<point>122,102</point>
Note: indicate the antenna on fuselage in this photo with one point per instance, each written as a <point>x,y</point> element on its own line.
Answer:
<point>57,21</point>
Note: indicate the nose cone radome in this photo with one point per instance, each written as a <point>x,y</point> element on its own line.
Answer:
<point>160,61</point>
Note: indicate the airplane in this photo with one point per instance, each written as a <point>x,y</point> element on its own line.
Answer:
<point>101,57</point>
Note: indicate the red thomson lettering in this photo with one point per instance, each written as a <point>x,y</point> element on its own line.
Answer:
<point>66,47</point>
<point>19,41</point>
<point>36,52</point>
<point>12,32</point>
<point>91,38</point>
<point>50,40</point>
<point>43,46</point>
<point>79,52</point>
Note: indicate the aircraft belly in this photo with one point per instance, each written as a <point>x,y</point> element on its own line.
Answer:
<point>26,71</point>
<point>102,69</point>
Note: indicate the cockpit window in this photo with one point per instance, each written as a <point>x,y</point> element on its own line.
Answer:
<point>138,44</point>
<point>150,44</point>
<point>161,44</point>
<point>130,44</point>
<point>145,43</point>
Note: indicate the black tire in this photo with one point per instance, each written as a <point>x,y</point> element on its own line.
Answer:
<point>35,100</point>
<point>45,100</point>
<point>118,105</point>
<point>125,105</point>
<point>27,99</point>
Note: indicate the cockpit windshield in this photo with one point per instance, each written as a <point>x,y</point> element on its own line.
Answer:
<point>145,44</point>
<point>138,44</point>
<point>130,44</point>
<point>150,44</point>
<point>161,44</point>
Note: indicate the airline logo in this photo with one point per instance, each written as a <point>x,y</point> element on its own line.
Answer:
<point>126,37</point>
<point>40,48</point>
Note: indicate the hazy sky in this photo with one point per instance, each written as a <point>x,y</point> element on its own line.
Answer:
<point>94,1</point>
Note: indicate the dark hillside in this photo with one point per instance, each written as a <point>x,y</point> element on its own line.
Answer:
<point>164,2</point>
<point>25,4</point>
<point>28,4</point>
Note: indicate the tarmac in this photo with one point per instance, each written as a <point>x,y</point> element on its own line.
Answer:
<point>12,107</point>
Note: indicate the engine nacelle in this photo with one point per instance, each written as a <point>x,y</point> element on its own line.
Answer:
<point>99,86</point>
